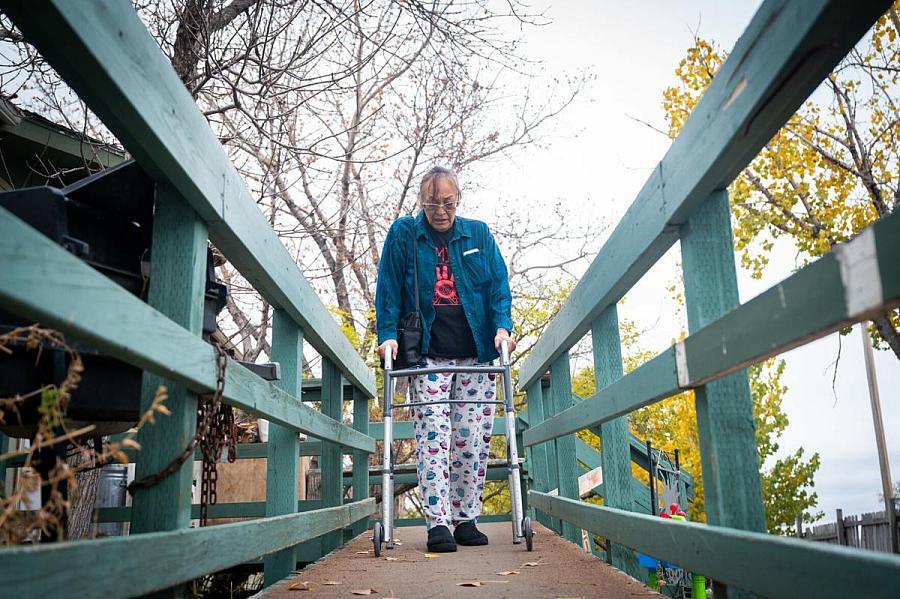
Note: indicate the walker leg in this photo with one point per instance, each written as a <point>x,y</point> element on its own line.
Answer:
<point>387,467</point>
<point>512,453</point>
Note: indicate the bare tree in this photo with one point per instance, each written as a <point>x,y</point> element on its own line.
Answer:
<point>331,111</point>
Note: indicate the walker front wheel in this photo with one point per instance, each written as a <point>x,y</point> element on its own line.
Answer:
<point>529,534</point>
<point>377,538</point>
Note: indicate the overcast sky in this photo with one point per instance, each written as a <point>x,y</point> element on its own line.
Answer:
<point>599,159</point>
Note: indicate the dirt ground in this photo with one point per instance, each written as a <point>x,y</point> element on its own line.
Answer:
<point>556,569</point>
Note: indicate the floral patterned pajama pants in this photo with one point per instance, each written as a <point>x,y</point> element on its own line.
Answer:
<point>453,441</point>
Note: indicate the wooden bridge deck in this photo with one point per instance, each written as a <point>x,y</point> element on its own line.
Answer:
<point>556,568</point>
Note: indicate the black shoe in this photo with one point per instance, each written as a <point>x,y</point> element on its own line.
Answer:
<point>467,534</point>
<point>440,540</point>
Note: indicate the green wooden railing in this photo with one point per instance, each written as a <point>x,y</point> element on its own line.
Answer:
<point>786,51</point>
<point>106,55</point>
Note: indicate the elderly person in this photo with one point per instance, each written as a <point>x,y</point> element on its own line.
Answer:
<point>465,308</point>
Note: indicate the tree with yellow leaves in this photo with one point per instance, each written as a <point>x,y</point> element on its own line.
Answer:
<point>832,169</point>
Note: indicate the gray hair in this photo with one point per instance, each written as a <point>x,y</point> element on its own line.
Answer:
<point>432,175</point>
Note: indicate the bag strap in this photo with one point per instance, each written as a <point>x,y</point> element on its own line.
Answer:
<point>415,252</point>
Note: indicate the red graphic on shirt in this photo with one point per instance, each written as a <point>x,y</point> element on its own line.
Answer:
<point>445,286</point>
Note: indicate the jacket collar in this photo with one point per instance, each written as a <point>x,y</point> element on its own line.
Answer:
<point>461,227</point>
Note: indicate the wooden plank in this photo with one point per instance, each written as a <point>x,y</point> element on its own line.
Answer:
<point>788,48</point>
<point>780,318</point>
<point>107,56</point>
<point>360,458</point>
<point>79,301</point>
<point>839,526</point>
<point>330,462</point>
<point>615,438</point>
<point>566,468</point>
<point>282,464</point>
<point>652,381</point>
<point>775,321</point>
<point>106,567</point>
<point>312,390</point>
<point>177,285</point>
<point>772,566</point>
<point>590,458</point>
<point>240,509</point>
<point>537,454</point>
<point>725,423</point>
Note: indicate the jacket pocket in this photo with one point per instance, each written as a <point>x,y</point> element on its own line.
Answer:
<point>476,268</point>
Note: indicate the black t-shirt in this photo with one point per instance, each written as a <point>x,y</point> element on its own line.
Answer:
<point>451,335</point>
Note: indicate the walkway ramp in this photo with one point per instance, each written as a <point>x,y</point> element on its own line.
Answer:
<point>556,568</point>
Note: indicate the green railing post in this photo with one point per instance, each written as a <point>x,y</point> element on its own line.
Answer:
<point>537,454</point>
<point>282,463</point>
<point>615,456</point>
<point>360,458</point>
<point>725,424</point>
<point>177,286</point>
<point>330,465</point>
<point>566,467</point>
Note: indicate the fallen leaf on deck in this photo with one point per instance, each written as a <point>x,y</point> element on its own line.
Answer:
<point>531,564</point>
<point>508,573</point>
<point>431,555</point>
<point>332,583</point>
<point>363,552</point>
<point>363,591</point>
<point>398,543</point>
<point>471,583</point>
<point>300,585</point>
<point>390,559</point>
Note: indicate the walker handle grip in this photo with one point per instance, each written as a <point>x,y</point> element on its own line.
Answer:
<point>504,351</point>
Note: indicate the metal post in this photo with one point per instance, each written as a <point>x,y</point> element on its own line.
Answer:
<point>512,453</point>
<point>884,463</point>
<point>654,504</point>
<point>387,474</point>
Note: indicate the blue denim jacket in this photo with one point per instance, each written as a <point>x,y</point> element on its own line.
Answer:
<point>480,273</point>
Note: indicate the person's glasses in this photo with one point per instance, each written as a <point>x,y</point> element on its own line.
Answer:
<point>447,205</point>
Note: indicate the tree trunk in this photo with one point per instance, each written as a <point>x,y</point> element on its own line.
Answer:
<point>83,499</point>
<point>887,332</point>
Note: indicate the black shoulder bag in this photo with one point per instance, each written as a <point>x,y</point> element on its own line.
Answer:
<point>409,329</point>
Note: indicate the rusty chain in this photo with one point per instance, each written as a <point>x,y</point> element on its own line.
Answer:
<point>215,428</point>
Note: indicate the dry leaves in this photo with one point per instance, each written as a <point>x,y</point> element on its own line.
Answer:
<point>331,583</point>
<point>431,555</point>
<point>531,564</point>
<point>390,559</point>
<point>300,585</point>
<point>363,591</point>
<point>508,573</point>
<point>470,583</point>
<point>364,552</point>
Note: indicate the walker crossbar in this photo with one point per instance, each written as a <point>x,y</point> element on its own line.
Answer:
<point>384,530</point>
<point>413,404</point>
<point>441,369</point>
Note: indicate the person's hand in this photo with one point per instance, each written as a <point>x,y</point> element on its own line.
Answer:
<point>390,343</point>
<point>500,336</point>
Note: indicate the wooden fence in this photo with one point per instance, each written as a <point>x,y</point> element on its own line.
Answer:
<point>106,55</point>
<point>866,531</point>
<point>788,48</point>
